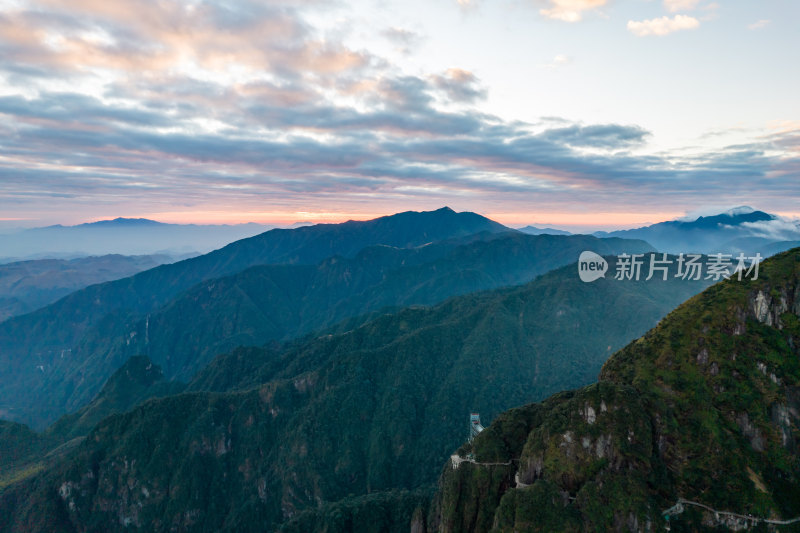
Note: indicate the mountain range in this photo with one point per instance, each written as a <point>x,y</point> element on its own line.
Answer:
<point>739,230</point>
<point>123,236</point>
<point>533,230</point>
<point>280,302</point>
<point>317,379</point>
<point>358,419</point>
<point>44,355</point>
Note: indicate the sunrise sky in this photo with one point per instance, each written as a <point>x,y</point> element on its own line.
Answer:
<point>606,113</point>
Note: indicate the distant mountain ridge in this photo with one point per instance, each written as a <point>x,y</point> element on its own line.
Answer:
<point>119,221</point>
<point>533,230</point>
<point>28,285</point>
<point>35,347</point>
<point>732,217</point>
<point>737,230</point>
<point>125,236</point>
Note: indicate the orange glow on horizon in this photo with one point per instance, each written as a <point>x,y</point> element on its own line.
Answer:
<point>570,221</point>
<point>574,222</point>
<point>258,217</point>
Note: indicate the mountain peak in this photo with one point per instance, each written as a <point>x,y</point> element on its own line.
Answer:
<point>121,221</point>
<point>713,233</point>
<point>741,210</point>
<point>732,217</point>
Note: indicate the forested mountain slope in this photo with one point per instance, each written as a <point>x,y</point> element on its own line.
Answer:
<point>705,408</point>
<point>365,412</point>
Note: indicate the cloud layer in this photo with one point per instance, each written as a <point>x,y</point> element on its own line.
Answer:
<point>208,105</point>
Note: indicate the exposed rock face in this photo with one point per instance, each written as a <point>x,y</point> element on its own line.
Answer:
<point>782,417</point>
<point>750,431</point>
<point>768,306</point>
<point>705,407</point>
<point>760,304</point>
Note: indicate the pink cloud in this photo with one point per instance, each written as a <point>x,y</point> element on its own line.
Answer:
<point>169,34</point>
<point>662,26</point>
<point>570,10</point>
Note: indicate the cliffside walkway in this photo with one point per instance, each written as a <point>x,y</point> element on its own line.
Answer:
<point>727,516</point>
<point>456,460</point>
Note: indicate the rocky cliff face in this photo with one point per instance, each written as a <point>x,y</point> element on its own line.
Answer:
<point>703,408</point>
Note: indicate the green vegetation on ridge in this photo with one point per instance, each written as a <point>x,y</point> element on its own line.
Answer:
<point>334,421</point>
<point>704,407</point>
<point>280,302</point>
